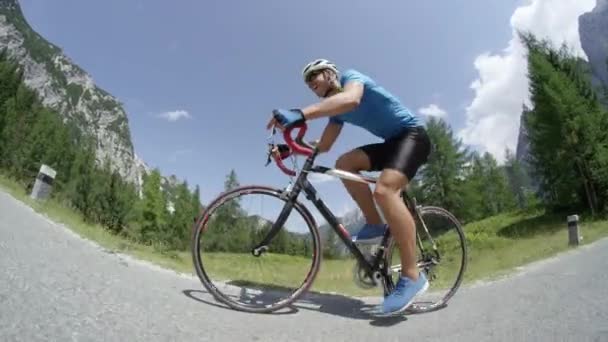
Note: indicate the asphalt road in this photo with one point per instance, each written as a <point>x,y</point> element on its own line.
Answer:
<point>55,286</point>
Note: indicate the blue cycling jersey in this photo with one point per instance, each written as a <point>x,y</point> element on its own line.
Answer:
<point>379,111</point>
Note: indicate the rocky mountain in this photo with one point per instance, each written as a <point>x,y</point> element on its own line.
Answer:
<point>593,30</point>
<point>522,153</point>
<point>65,87</point>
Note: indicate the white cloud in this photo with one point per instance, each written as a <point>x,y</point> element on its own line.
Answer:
<point>433,110</point>
<point>492,118</point>
<point>175,115</point>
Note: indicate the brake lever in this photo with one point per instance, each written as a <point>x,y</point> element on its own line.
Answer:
<point>270,148</point>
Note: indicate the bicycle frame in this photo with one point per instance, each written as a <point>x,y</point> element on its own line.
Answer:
<point>290,194</point>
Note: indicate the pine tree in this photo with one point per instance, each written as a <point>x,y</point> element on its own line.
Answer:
<point>232,181</point>
<point>45,143</point>
<point>10,79</point>
<point>181,219</point>
<point>496,194</point>
<point>81,184</point>
<point>17,123</point>
<point>101,193</point>
<point>442,175</point>
<point>567,128</point>
<point>195,203</point>
<point>229,227</point>
<point>59,153</point>
<point>473,189</point>
<point>154,208</point>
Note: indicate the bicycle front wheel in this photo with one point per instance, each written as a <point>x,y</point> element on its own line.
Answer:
<point>441,255</point>
<point>222,248</point>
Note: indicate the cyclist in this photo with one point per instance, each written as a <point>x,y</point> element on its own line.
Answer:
<point>355,98</point>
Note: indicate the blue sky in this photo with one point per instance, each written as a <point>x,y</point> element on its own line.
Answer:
<point>221,67</point>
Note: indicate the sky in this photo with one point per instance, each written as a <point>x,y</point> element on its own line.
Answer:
<point>199,79</point>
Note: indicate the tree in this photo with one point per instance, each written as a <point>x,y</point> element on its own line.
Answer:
<point>113,198</point>
<point>59,152</point>
<point>47,142</point>
<point>181,219</point>
<point>195,203</point>
<point>519,181</point>
<point>567,128</point>
<point>329,245</point>
<point>231,181</point>
<point>497,197</point>
<point>154,208</point>
<point>81,183</point>
<point>121,197</point>
<point>10,79</point>
<point>18,121</point>
<point>442,175</point>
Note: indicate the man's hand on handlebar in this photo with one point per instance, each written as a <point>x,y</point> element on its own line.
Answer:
<point>283,151</point>
<point>285,119</point>
<point>288,120</point>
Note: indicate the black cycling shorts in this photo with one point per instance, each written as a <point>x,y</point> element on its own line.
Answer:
<point>406,152</point>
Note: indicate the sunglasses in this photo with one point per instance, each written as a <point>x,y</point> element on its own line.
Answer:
<point>313,75</point>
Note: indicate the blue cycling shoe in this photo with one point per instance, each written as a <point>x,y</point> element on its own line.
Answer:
<point>403,296</point>
<point>370,234</point>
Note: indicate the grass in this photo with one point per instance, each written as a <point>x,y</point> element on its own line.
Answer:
<point>501,243</point>
<point>497,246</point>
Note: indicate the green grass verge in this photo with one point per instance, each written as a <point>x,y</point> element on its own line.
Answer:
<point>496,246</point>
<point>499,244</point>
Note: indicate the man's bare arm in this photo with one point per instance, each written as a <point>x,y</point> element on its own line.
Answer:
<point>337,104</point>
<point>329,136</point>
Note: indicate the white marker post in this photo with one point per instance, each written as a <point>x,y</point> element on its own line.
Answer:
<point>44,183</point>
<point>574,236</point>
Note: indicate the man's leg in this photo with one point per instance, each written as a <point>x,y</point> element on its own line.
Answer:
<point>403,157</point>
<point>400,221</point>
<point>356,161</point>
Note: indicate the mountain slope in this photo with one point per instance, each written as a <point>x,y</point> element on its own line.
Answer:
<point>66,88</point>
<point>593,30</point>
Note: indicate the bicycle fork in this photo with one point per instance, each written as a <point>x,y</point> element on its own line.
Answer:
<point>262,247</point>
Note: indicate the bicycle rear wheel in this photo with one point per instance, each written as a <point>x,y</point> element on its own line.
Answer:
<point>441,254</point>
<point>223,240</point>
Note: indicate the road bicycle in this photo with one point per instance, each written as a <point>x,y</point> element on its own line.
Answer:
<point>440,241</point>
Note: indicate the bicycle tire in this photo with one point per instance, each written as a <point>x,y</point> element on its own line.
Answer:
<point>418,307</point>
<point>199,228</point>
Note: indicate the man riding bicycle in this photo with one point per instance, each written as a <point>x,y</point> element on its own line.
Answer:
<point>355,98</point>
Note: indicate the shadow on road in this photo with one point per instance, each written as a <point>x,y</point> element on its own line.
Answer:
<point>331,304</point>
<point>197,295</point>
<point>347,307</point>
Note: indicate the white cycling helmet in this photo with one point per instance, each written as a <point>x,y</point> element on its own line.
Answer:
<point>318,64</point>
